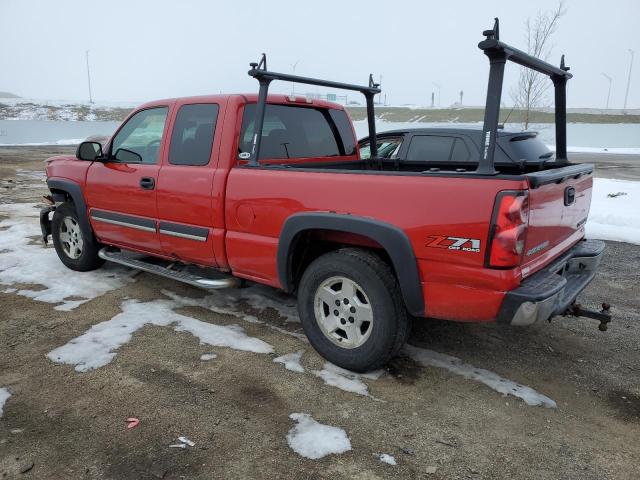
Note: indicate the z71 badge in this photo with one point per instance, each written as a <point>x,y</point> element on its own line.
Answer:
<point>454,243</point>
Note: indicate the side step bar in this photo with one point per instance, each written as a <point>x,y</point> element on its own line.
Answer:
<point>137,261</point>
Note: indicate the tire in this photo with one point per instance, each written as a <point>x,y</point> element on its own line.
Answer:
<point>362,278</point>
<point>74,249</point>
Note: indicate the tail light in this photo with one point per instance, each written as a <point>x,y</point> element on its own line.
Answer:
<point>508,229</point>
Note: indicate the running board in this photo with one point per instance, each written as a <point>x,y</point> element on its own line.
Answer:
<point>130,259</point>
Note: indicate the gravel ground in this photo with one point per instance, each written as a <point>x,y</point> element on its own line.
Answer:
<point>59,423</point>
<point>622,167</point>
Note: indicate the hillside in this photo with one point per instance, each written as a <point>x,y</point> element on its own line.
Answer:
<point>26,109</point>
<point>37,110</point>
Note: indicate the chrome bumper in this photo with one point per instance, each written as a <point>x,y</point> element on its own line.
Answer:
<point>553,289</point>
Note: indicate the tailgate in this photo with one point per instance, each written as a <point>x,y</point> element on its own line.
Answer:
<point>559,201</point>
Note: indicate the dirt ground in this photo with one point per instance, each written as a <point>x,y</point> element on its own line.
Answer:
<point>61,424</point>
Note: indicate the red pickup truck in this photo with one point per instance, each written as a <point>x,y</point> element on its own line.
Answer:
<point>271,188</point>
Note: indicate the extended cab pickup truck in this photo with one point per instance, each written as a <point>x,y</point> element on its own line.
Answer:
<point>270,188</point>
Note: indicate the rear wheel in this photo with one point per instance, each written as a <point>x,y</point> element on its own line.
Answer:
<point>352,310</point>
<point>75,249</point>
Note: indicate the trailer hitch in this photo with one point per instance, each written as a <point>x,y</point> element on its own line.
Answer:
<point>604,315</point>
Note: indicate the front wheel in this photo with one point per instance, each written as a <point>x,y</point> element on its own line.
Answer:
<point>352,310</point>
<point>75,249</point>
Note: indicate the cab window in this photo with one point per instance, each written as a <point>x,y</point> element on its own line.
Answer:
<point>297,132</point>
<point>192,136</point>
<point>460,152</point>
<point>139,140</point>
<point>430,148</point>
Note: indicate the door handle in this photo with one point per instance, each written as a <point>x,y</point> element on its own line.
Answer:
<point>147,183</point>
<point>569,196</point>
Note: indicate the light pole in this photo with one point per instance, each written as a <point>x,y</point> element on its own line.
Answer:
<point>438,87</point>
<point>609,93</point>
<point>293,84</point>
<point>89,77</point>
<point>626,95</point>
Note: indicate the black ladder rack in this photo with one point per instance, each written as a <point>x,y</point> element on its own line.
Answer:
<point>265,77</point>
<point>498,53</point>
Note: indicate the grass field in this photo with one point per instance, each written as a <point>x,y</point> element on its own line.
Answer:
<point>39,111</point>
<point>465,115</point>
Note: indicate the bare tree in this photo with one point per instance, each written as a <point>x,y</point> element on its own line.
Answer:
<point>530,93</point>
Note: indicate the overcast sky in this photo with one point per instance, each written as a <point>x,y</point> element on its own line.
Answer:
<point>146,49</point>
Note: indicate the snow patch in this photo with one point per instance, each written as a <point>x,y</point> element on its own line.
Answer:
<point>314,440</point>
<point>291,361</point>
<point>22,261</point>
<point>61,110</point>
<point>4,396</point>
<point>386,458</point>
<point>614,218</point>
<point>208,356</point>
<point>96,347</point>
<point>610,150</point>
<point>346,380</point>
<point>32,174</point>
<point>229,301</point>
<point>429,358</point>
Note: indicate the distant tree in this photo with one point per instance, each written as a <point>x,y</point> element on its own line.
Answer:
<point>530,92</point>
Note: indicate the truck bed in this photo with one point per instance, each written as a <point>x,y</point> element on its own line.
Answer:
<point>541,172</point>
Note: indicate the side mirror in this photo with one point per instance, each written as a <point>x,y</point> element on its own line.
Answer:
<point>89,151</point>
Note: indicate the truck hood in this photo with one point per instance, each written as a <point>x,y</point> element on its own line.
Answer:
<point>55,158</point>
<point>67,166</point>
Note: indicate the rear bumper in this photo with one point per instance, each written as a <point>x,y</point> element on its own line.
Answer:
<point>550,291</point>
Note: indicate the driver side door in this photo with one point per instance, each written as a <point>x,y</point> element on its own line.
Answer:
<point>121,190</point>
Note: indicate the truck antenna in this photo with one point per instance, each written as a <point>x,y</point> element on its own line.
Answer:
<point>88,76</point>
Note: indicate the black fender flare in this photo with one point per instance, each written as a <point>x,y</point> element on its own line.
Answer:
<point>75,192</point>
<point>391,238</point>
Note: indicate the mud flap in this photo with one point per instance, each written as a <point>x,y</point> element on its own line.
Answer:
<point>45,222</point>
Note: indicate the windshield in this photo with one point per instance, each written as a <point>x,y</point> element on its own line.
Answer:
<point>387,148</point>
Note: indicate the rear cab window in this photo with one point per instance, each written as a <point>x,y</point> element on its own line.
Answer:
<point>294,132</point>
<point>192,136</point>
